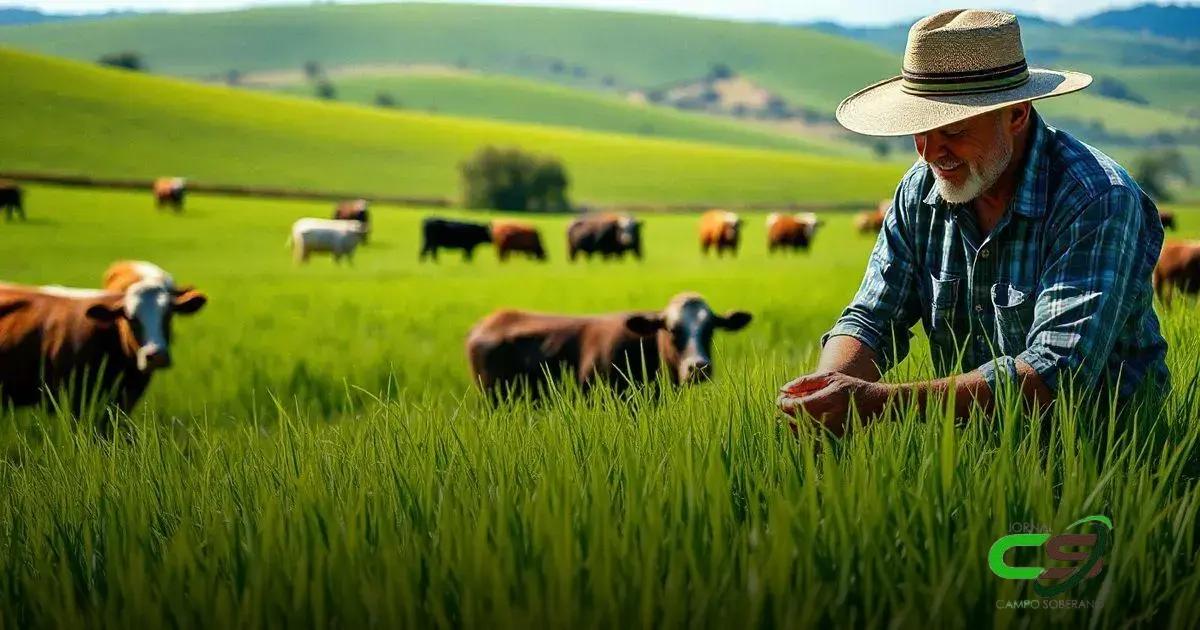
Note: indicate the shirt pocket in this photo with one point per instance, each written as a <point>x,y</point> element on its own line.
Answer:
<point>944,300</point>
<point>1014,317</point>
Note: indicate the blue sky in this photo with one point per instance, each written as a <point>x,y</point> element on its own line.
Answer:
<point>858,12</point>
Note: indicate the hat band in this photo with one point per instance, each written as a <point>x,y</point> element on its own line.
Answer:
<point>969,82</point>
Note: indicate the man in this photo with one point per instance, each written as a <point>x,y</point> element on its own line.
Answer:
<point>1026,254</point>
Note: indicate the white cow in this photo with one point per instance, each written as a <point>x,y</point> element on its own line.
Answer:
<point>336,236</point>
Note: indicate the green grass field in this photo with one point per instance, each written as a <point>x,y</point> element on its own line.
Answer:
<point>318,457</point>
<point>1172,87</point>
<point>66,116</point>
<point>523,100</point>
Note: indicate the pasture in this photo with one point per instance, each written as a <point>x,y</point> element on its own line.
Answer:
<point>318,457</point>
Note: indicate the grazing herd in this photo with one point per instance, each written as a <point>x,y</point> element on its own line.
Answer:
<point>104,344</point>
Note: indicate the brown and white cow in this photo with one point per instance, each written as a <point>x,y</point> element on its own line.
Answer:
<point>1178,268</point>
<point>357,210</point>
<point>85,342</point>
<point>791,231</point>
<point>871,221</point>
<point>517,236</point>
<point>512,350</point>
<point>125,273</point>
<point>720,229</point>
<point>170,191</point>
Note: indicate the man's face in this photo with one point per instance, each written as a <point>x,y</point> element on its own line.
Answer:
<point>967,157</point>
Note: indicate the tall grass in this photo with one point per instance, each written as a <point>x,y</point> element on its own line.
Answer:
<point>243,494</point>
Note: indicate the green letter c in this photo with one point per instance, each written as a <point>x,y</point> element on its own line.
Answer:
<point>1002,569</point>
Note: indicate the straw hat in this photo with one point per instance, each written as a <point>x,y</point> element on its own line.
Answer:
<point>957,64</point>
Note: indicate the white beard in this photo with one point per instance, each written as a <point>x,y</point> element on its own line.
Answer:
<point>982,176</point>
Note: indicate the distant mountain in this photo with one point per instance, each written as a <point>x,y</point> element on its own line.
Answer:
<point>1078,45</point>
<point>10,16</point>
<point>1180,22</point>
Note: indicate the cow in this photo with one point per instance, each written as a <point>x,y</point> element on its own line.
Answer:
<point>356,210</point>
<point>720,229</point>
<point>169,191</point>
<point>515,236</point>
<point>1167,219</point>
<point>125,273</point>
<point>871,221</point>
<point>1178,268</point>
<point>89,344</point>
<point>10,200</point>
<point>444,233</point>
<point>609,235</point>
<point>791,231</point>
<point>513,351</point>
<point>334,236</point>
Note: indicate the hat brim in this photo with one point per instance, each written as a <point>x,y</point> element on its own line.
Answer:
<point>884,109</point>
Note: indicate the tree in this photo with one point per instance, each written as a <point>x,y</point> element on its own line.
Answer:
<point>126,59</point>
<point>312,70</point>
<point>233,77</point>
<point>326,90</point>
<point>1154,171</point>
<point>384,99</point>
<point>510,179</point>
<point>718,71</point>
<point>882,149</point>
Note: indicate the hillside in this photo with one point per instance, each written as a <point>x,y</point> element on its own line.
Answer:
<point>66,116</point>
<point>1175,21</point>
<point>573,47</point>
<point>524,100</point>
<point>1052,43</point>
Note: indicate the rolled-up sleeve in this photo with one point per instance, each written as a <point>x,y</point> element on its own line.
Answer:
<point>1084,292</point>
<point>887,305</point>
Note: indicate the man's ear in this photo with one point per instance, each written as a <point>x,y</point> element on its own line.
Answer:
<point>106,311</point>
<point>189,301</point>
<point>1019,115</point>
<point>645,325</point>
<point>735,320</point>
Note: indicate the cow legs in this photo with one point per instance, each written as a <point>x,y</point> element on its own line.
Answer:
<point>468,252</point>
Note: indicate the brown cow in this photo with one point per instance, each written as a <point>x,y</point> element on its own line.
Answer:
<point>169,191</point>
<point>86,343</point>
<point>1178,268</point>
<point>720,229</point>
<point>356,210</point>
<point>610,235</point>
<point>515,236</point>
<point>517,351</point>
<point>871,221</point>
<point>10,200</point>
<point>791,231</point>
<point>1167,219</point>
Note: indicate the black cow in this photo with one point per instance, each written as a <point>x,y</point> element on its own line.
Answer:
<point>606,234</point>
<point>10,200</point>
<point>449,234</point>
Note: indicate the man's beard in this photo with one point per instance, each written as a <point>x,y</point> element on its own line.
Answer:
<point>980,177</point>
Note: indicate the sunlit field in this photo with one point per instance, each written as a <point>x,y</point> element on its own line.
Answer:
<point>318,456</point>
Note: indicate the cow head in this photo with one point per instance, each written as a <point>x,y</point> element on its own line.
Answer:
<point>148,307</point>
<point>731,226</point>
<point>689,324</point>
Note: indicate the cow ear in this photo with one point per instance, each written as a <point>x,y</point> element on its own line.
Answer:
<point>188,302</point>
<point>645,325</point>
<point>105,311</point>
<point>736,320</point>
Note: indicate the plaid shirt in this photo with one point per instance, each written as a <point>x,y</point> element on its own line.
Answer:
<point>1062,283</point>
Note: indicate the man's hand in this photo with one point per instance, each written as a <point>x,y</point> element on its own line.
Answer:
<point>828,397</point>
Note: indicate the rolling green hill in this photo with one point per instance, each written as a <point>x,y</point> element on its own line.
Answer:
<point>586,48</point>
<point>523,100</point>
<point>66,116</point>
<point>1176,88</point>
